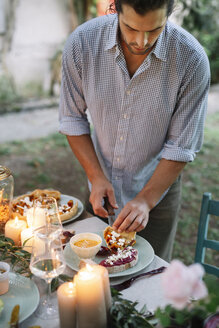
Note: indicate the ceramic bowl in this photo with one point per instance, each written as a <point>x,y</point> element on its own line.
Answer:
<point>4,277</point>
<point>88,252</point>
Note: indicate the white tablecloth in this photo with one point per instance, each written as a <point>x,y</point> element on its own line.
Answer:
<point>145,291</point>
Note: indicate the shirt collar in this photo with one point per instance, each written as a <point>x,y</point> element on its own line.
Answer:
<point>113,33</point>
<point>160,49</point>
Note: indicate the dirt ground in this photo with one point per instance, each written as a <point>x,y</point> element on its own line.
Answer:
<point>53,168</point>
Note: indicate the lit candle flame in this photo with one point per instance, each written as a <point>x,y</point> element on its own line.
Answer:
<point>71,285</point>
<point>16,221</point>
<point>89,268</point>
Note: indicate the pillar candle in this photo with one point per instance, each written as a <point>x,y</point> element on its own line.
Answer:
<point>105,278</point>
<point>91,308</point>
<point>106,285</point>
<point>27,234</point>
<point>66,294</point>
<point>36,217</point>
<point>13,230</point>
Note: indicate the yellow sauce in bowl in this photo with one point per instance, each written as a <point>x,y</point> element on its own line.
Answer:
<point>85,243</point>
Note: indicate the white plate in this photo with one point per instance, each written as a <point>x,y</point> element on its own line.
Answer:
<point>22,291</point>
<point>64,200</point>
<point>145,257</point>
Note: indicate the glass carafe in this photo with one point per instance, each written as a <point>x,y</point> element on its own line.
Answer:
<point>6,196</point>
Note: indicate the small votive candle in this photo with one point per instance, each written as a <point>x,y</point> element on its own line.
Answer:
<point>66,294</point>
<point>4,279</point>
<point>13,230</point>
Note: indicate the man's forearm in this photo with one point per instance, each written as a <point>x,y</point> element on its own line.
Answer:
<point>83,149</point>
<point>163,177</point>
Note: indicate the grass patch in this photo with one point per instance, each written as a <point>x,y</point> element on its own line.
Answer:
<point>199,176</point>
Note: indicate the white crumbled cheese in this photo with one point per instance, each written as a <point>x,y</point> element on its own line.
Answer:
<point>121,254</point>
<point>65,207</point>
<point>115,234</point>
<point>121,242</point>
<point>20,206</point>
<point>27,201</point>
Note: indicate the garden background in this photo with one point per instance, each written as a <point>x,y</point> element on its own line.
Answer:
<point>30,146</point>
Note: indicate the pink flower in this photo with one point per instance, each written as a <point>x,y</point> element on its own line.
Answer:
<point>180,283</point>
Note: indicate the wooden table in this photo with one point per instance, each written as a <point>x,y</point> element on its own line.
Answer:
<point>145,291</point>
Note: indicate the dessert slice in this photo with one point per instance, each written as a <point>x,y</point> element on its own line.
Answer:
<point>122,260</point>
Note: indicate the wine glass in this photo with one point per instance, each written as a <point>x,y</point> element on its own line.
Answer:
<point>45,213</point>
<point>47,262</point>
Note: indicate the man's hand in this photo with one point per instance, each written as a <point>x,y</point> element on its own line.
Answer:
<point>134,215</point>
<point>102,189</point>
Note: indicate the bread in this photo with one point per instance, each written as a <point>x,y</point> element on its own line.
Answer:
<point>115,240</point>
<point>123,260</point>
<point>24,202</point>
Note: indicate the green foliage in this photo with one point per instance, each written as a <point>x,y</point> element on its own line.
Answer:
<point>7,90</point>
<point>18,258</point>
<point>123,313</point>
<point>202,21</point>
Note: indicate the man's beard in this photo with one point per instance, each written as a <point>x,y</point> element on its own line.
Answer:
<point>136,52</point>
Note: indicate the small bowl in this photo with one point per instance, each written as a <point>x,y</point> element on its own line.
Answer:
<point>88,252</point>
<point>4,277</point>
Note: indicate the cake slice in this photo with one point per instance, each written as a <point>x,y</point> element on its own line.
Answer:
<point>122,260</point>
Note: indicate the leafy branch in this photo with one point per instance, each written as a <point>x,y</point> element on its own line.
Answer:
<point>18,258</point>
<point>123,313</point>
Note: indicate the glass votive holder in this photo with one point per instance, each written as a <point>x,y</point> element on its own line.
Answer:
<point>4,277</point>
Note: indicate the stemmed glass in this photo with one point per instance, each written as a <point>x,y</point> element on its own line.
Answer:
<point>47,262</point>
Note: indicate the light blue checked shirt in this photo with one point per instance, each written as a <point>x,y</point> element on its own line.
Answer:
<point>158,113</point>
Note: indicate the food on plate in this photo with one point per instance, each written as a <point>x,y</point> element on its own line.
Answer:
<point>116,240</point>
<point>122,260</point>
<point>104,251</point>
<point>66,236</point>
<point>85,243</point>
<point>21,204</point>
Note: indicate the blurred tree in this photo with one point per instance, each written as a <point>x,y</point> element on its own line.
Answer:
<point>84,9</point>
<point>201,20</point>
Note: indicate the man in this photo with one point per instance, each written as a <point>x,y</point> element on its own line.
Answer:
<point>144,81</point>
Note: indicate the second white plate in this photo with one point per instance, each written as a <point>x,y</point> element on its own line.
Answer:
<point>22,291</point>
<point>65,199</point>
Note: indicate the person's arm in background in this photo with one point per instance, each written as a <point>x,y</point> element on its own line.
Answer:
<point>74,124</point>
<point>184,139</point>
<point>83,149</point>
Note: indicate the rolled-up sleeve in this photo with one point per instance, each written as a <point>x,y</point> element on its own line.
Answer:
<point>185,134</point>
<point>72,115</point>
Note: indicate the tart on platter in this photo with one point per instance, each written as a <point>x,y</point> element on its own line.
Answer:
<point>23,203</point>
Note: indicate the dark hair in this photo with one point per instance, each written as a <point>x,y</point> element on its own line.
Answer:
<point>142,6</point>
